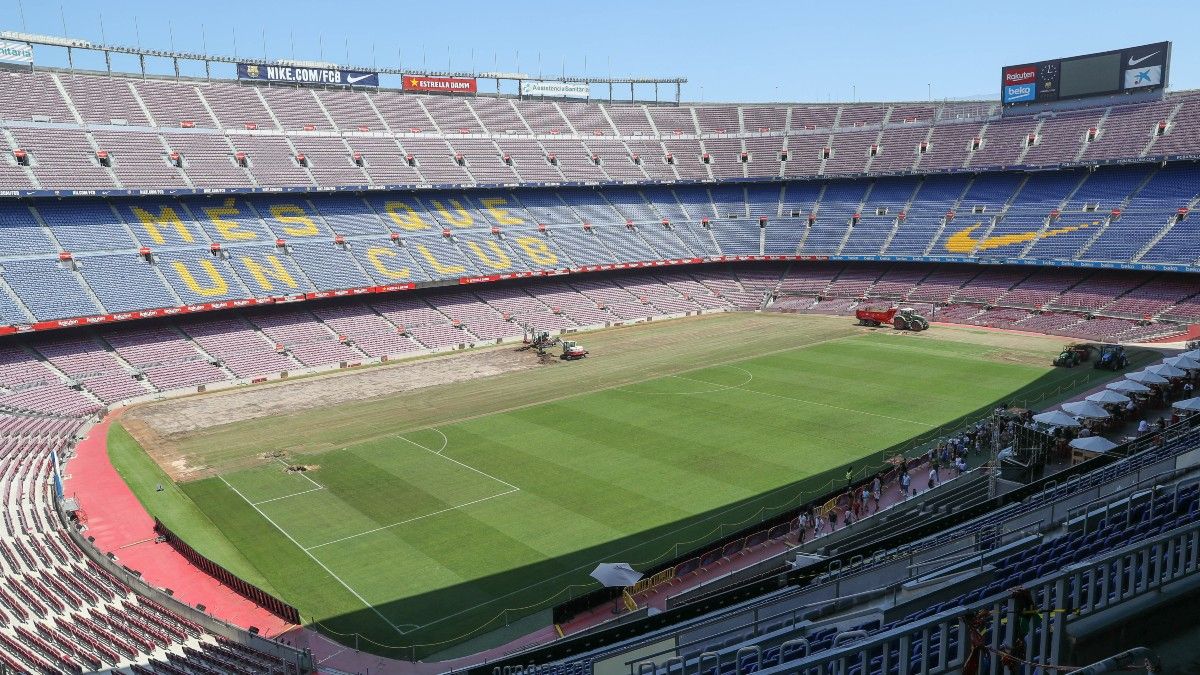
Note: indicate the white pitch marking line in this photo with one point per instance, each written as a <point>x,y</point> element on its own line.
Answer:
<point>303,475</point>
<point>294,494</point>
<point>314,558</point>
<point>790,398</point>
<point>445,441</point>
<point>422,517</point>
<point>465,466</point>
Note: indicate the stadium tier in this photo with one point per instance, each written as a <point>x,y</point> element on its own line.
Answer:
<point>75,258</point>
<point>79,131</point>
<point>166,230</point>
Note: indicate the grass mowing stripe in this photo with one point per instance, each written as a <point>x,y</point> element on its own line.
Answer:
<point>608,468</point>
<point>314,558</point>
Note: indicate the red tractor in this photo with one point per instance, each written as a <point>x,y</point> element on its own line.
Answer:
<point>900,319</point>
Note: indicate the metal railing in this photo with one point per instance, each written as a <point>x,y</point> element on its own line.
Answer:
<point>998,629</point>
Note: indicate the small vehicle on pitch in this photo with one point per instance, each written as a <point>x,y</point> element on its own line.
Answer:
<point>1112,357</point>
<point>572,351</point>
<point>1074,354</point>
<point>901,319</point>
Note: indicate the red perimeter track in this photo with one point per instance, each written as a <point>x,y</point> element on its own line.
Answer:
<point>122,527</point>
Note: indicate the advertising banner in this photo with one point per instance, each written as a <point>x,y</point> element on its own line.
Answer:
<point>15,52</point>
<point>445,85</point>
<point>1132,69</point>
<point>554,89</point>
<point>306,75</point>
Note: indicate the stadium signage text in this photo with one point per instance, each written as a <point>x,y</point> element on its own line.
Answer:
<point>1020,75</point>
<point>555,89</point>
<point>445,85</point>
<point>15,52</point>
<point>301,75</point>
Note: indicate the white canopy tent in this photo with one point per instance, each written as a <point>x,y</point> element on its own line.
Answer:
<point>1128,387</point>
<point>1086,409</point>
<point>1093,444</point>
<point>616,574</point>
<point>1146,377</point>
<point>1189,404</point>
<point>1055,418</point>
<point>1183,361</point>
<point>1108,396</point>
<point>1166,370</point>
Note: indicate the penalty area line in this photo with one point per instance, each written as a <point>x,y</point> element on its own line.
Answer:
<point>451,459</point>
<point>294,494</point>
<point>314,558</point>
<point>413,519</point>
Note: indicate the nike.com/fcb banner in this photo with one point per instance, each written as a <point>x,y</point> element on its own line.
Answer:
<point>305,75</point>
<point>554,89</point>
<point>445,85</point>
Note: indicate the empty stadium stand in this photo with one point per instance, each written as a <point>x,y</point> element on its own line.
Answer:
<point>163,230</point>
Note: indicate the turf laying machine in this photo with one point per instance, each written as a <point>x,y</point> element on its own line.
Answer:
<point>901,319</point>
<point>1112,357</point>
<point>542,341</point>
<point>1074,354</point>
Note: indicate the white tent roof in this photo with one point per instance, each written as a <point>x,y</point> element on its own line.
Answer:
<point>1183,361</point>
<point>1166,370</point>
<point>1056,418</point>
<point>1108,396</point>
<point>1086,409</point>
<point>1127,386</point>
<point>1188,404</point>
<point>1093,444</point>
<point>616,574</point>
<point>1146,377</point>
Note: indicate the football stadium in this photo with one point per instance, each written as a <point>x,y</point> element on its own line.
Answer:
<point>320,367</point>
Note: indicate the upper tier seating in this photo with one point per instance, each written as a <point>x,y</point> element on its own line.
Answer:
<point>490,140</point>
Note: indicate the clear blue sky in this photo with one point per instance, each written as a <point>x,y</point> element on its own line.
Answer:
<point>729,51</point>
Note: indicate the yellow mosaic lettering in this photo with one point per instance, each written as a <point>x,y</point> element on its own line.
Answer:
<point>502,216</point>
<point>165,218</point>
<point>228,228</point>
<point>538,250</point>
<point>275,269</point>
<point>404,215</point>
<point>502,261</point>
<point>219,285</point>
<point>374,255</point>
<point>463,219</point>
<point>436,264</point>
<point>291,213</point>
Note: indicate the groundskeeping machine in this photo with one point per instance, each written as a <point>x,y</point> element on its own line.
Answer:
<point>542,341</point>
<point>905,318</point>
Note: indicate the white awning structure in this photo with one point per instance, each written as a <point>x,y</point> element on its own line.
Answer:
<point>616,574</point>
<point>1189,404</point>
<point>1056,418</point>
<point>1093,444</point>
<point>1108,396</point>
<point>1146,377</point>
<point>1128,387</point>
<point>1086,409</point>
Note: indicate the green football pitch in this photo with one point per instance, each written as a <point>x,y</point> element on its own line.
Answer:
<point>433,521</point>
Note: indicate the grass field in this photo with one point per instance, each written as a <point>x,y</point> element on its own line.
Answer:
<point>441,514</point>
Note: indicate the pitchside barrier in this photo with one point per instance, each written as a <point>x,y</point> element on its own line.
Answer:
<point>243,588</point>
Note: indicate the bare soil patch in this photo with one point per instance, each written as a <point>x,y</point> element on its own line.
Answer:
<point>156,424</point>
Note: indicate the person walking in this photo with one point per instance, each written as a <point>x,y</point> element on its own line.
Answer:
<point>933,478</point>
<point>905,482</point>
